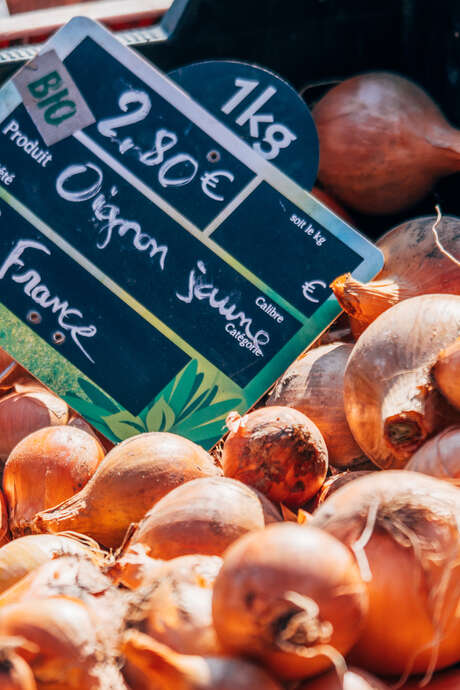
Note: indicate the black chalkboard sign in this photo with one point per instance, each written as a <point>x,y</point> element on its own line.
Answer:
<point>156,271</point>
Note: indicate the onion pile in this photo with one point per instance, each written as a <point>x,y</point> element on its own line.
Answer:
<point>414,265</point>
<point>202,516</point>
<point>313,384</point>
<point>391,404</point>
<point>404,530</point>
<point>290,596</point>
<point>27,408</point>
<point>384,143</point>
<point>131,478</point>
<point>278,451</point>
<point>45,468</point>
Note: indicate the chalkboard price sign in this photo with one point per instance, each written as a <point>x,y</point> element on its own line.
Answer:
<point>156,271</point>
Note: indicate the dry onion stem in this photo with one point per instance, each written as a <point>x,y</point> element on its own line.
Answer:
<point>28,408</point>
<point>414,265</point>
<point>155,666</point>
<point>72,650</point>
<point>440,456</point>
<point>313,384</point>
<point>45,468</point>
<point>201,516</point>
<point>291,597</point>
<point>23,555</point>
<point>131,478</point>
<point>390,402</point>
<point>176,608</point>
<point>277,450</point>
<point>383,141</point>
<point>404,529</point>
<point>446,373</point>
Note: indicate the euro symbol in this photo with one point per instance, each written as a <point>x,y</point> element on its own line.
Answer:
<point>211,179</point>
<point>308,288</point>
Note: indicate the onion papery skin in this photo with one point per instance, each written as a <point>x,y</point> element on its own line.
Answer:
<point>15,673</point>
<point>384,143</point>
<point>4,536</point>
<point>22,555</point>
<point>354,679</point>
<point>278,451</point>
<point>404,529</point>
<point>390,402</point>
<point>413,265</point>
<point>286,591</point>
<point>132,477</point>
<point>71,650</point>
<point>440,456</point>
<point>446,372</point>
<point>313,384</point>
<point>202,516</point>
<point>135,568</point>
<point>45,468</point>
<point>332,484</point>
<point>178,608</point>
<point>447,680</point>
<point>154,666</point>
<point>28,408</point>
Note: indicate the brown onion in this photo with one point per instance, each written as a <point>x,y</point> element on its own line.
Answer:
<point>45,468</point>
<point>354,679</point>
<point>155,666</point>
<point>290,596</point>
<point>384,143</point>
<point>131,478</point>
<point>446,372</point>
<point>202,516</point>
<point>176,609</point>
<point>4,538</point>
<point>447,680</point>
<point>72,652</point>
<point>21,556</point>
<point>278,451</point>
<point>414,265</point>
<point>313,384</point>
<point>440,456</point>
<point>390,402</point>
<point>404,529</point>
<point>28,408</point>
<point>333,483</point>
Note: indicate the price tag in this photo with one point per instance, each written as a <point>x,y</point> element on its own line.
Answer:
<point>262,109</point>
<point>155,270</point>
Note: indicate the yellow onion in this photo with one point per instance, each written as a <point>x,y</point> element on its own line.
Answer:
<point>202,516</point>
<point>131,478</point>
<point>390,402</point>
<point>404,530</point>
<point>446,372</point>
<point>291,596</point>
<point>440,456</point>
<point>313,384</point>
<point>278,451</point>
<point>28,408</point>
<point>353,679</point>
<point>21,556</point>
<point>153,666</point>
<point>72,652</point>
<point>176,608</point>
<point>414,265</point>
<point>46,468</point>
<point>15,673</point>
